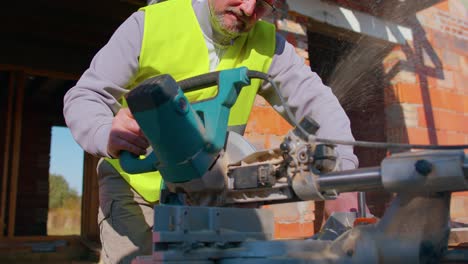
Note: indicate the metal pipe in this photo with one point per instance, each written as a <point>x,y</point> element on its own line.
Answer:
<point>362,204</point>
<point>465,166</point>
<point>358,180</point>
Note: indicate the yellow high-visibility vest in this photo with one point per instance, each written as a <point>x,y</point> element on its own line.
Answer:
<point>173,43</point>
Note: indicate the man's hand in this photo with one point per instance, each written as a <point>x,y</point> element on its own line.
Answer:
<point>126,134</point>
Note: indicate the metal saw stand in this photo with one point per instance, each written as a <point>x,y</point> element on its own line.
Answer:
<point>414,229</point>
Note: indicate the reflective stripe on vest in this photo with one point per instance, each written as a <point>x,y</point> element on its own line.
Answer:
<point>175,45</point>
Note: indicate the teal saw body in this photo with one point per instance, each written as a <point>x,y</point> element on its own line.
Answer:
<point>186,138</point>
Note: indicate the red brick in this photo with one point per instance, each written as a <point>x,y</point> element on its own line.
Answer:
<point>460,83</point>
<point>293,212</point>
<point>265,120</point>
<point>446,100</point>
<point>449,138</point>
<point>267,144</point>
<point>463,193</point>
<point>448,80</point>
<point>418,135</point>
<point>431,81</point>
<point>459,45</point>
<point>465,104</point>
<point>439,40</point>
<point>407,75</point>
<point>424,136</point>
<point>273,141</point>
<point>293,230</point>
<point>455,139</point>
<point>408,93</point>
<point>449,59</point>
<point>459,207</point>
<point>442,6</point>
<point>442,120</point>
<point>464,65</point>
<point>441,137</point>
<point>286,213</point>
<point>307,210</point>
<point>260,101</point>
<point>464,124</point>
<point>258,122</point>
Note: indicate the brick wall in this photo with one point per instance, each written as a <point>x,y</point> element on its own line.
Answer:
<point>430,84</point>
<point>266,129</point>
<point>425,101</point>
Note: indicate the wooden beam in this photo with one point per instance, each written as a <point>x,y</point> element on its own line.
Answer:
<point>40,72</point>
<point>350,20</point>
<point>6,153</point>
<point>39,238</point>
<point>90,200</point>
<point>16,150</point>
<point>45,55</point>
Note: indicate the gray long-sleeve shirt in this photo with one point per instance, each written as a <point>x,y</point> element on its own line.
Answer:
<point>90,105</point>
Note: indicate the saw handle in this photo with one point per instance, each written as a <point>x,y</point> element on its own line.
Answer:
<point>212,79</point>
<point>186,137</point>
<point>199,82</point>
<point>135,164</point>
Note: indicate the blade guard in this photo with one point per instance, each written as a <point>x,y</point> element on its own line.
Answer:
<point>186,139</point>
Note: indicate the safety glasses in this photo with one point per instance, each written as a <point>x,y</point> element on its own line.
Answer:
<point>263,8</point>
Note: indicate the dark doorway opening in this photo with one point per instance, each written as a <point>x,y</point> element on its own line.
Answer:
<point>353,70</point>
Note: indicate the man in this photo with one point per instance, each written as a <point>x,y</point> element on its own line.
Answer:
<point>184,38</point>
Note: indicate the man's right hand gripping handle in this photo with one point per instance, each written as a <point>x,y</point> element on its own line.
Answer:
<point>126,135</point>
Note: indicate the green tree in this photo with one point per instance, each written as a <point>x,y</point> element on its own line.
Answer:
<point>60,192</point>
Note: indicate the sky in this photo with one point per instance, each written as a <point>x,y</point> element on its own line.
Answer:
<point>66,158</point>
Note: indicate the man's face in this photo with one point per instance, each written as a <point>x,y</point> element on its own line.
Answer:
<point>234,17</point>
